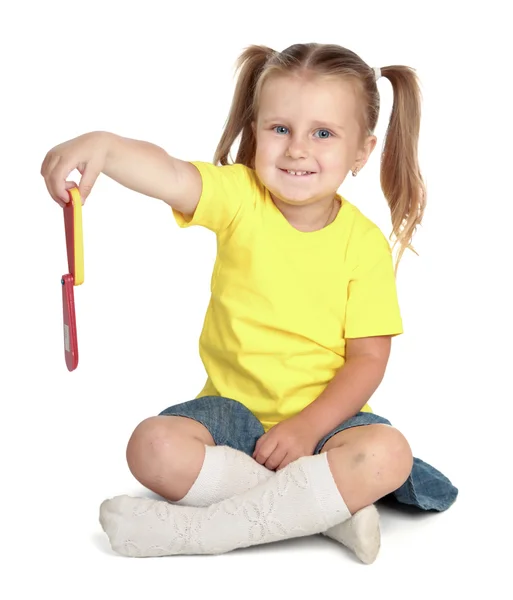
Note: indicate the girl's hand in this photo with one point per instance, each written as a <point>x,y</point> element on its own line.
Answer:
<point>86,153</point>
<point>285,443</point>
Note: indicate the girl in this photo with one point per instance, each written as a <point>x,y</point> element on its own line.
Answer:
<point>281,441</point>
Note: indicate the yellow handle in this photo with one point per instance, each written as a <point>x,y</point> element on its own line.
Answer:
<point>78,235</point>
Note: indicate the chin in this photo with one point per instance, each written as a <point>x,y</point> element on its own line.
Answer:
<point>288,195</point>
<point>293,199</point>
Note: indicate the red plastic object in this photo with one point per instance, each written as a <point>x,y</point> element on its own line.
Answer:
<point>69,322</point>
<point>75,276</point>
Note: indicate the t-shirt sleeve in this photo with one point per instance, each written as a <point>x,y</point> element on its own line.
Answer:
<point>372,304</point>
<point>224,190</point>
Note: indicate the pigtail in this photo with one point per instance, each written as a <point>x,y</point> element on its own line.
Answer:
<point>401,179</point>
<point>250,64</point>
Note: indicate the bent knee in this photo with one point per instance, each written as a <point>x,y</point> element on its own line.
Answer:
<point>149,440</point>
<point>395,453</point>
<point>381,450</point>
<point>160,446</point>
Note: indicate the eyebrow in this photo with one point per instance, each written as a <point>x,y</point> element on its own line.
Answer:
<point>326,124</point>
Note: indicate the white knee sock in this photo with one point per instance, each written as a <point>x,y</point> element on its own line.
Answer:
<point>302,499</point>
<point>227,472</point>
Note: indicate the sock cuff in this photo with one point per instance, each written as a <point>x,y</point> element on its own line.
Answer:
<point>325,489</point>
<point>208,478</point>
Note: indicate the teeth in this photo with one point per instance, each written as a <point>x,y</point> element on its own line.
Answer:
<point>298,172</point>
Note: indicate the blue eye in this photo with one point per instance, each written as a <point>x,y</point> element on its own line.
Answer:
<point>326,133</point>
<point>280,127</point>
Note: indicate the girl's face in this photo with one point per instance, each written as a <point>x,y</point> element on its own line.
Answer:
<point>307,137</point>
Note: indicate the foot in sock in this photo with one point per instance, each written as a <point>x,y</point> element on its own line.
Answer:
<point>361,534</point>
<point>227,472</point>
<point>300,500</point>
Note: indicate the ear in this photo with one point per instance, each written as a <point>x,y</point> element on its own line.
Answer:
<point>362,156</point>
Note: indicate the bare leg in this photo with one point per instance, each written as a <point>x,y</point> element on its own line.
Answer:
<point>368,463</point>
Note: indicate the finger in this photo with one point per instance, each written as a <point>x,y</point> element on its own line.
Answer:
<point>89,176</point>
<point>60,202</point>
<point>265,451</point>
<point>69,185</point>
<point>259,443</point>
<point>276,458</point>
<point>57,179</point>
<point>48,166</point>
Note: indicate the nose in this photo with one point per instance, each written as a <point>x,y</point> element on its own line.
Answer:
<point>297,148</point>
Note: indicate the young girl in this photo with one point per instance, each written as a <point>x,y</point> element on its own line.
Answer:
<point>281,441</point>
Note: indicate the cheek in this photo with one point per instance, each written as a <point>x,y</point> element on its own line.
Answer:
<point>333,159</point>
<point>265,153</point>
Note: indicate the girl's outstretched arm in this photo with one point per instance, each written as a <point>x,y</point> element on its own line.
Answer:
<point>135,164</point>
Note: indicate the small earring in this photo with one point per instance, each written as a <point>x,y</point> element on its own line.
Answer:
<point>355,172</point>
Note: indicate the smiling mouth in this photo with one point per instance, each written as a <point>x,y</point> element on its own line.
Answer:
<point>297,173</point>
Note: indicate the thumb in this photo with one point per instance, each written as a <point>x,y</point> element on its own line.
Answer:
<point>89,176</point>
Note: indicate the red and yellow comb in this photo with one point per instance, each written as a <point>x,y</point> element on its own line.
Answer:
<point>75,253</point>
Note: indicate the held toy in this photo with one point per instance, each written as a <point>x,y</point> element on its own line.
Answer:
<point>75,253</point>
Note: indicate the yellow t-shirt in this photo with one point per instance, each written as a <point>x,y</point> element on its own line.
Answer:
<point>283,301</point>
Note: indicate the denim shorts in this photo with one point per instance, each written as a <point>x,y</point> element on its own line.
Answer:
<point>231,424</point>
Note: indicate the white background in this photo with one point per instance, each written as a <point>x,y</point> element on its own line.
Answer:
<point>164,73</point>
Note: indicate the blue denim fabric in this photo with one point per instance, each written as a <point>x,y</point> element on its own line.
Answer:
<point>231,424</point>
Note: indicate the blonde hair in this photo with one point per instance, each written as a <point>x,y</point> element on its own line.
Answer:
<point>400,177</point>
